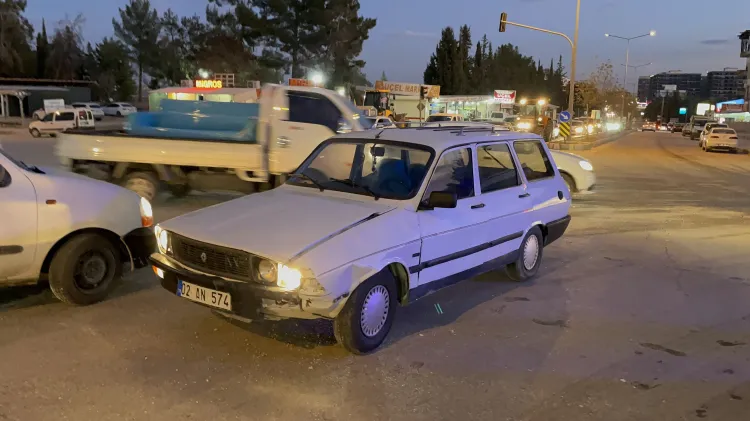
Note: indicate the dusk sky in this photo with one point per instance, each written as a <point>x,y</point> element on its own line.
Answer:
<point>692,35</point>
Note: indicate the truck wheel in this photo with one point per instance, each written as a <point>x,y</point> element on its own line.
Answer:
<point>85,270</point>
<point>529,257</point>
<point>146,184</point>
<point>367,316</point>
<point>179,189</point>
<point>35,133</point>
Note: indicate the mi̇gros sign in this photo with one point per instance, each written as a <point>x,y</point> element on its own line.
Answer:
<point>209,84</point>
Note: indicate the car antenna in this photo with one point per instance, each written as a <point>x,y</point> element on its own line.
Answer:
<point>377,136</point>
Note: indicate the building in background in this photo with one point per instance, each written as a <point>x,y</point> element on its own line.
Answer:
<point>33,92</point>
<point>644,88</point>
<point>745,53</point>
<point>725,85</point>
<point>690,83</point>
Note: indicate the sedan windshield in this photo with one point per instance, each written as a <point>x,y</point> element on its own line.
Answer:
<point>439,118</point>
<point>391,171</point>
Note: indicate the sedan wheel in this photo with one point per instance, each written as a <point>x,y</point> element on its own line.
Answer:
<point>529,256</point>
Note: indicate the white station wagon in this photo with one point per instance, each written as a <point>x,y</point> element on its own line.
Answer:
<point>369,221</point>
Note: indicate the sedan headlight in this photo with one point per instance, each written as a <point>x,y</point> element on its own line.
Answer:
<point>586,165</point>
<point>163,240</point>
<point>524,126</point>
<point>579,130</point>
<point>147,213</point>
<point>282,275</point>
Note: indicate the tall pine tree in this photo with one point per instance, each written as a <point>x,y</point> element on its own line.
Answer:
<point>42,51</point>
<point>139,28</point>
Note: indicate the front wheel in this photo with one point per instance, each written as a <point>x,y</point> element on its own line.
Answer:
<point>367,316</point>
<point>569,183</point>
<point>85,270</point>
<point>529,257</point>
<point>35,133</point>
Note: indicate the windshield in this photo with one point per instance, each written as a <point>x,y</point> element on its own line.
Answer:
<point>391,171</point>
<point>367,122</point>
<point>356,113</point>
<point>21,164</point>
<point>497,115</point>
<point>94,106</point>
<point>438,118</point>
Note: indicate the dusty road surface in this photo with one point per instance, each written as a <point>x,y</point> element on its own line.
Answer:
<point>641,312</point>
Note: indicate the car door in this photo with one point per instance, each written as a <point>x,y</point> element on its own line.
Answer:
<point>505,203</point>
<point>65,120</point>
<point>450,237</point>
<point>311,119</point>
<point>18,213</point>
<point>549,196</point>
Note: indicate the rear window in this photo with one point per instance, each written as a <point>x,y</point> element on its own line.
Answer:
<point>94,106</point>
<point>438,118</point>
<point>723,131</point>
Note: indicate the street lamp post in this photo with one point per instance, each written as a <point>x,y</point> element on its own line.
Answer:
<point>573,46</point>
<point>627,57</point>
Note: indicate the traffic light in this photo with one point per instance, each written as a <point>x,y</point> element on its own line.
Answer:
<point>423,90</point>
<point>503,19</point>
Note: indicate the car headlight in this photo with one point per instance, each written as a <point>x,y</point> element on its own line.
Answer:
<point>163,240</point>
<point>579,130</point>
<point>147,213</point>
<point>586,165</point>
<point>282,275</point>
<point>524,126</point>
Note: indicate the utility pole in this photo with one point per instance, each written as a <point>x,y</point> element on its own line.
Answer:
<point>573,47</point>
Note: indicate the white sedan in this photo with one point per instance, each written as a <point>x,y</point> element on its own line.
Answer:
<point>717,138</point>
<point>74,231</point>
<point>119,109</point>
<point>382,218</point>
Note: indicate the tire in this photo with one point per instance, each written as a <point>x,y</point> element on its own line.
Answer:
<point>119,114</point>
<point>523,269</point>
<point>348,325</point>
<point>85,252</point>
<point>146,184</point>
<point>569,182</point>
<point>179,190</point>
<point>35,133</point>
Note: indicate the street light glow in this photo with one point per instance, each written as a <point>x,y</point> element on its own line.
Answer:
<point>523,101</point>
<point>606,35</point>
<point>652,33</point>
<point>317,78</point>
<point>541,101</point>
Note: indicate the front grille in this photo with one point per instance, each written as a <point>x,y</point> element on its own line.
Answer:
<point>210,258</point>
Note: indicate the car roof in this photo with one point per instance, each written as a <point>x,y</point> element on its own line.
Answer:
<point>440,138</point>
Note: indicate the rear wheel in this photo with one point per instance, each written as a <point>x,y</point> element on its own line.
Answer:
<point>146,184</point>
<point>85,270</point>
<point>35,133</point>
<point>529,257</point>
<point>367,316</point>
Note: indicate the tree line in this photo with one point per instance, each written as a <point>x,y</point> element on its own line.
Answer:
<point>254,39</point>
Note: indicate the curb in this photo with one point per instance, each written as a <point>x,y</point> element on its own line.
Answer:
<point>587,146</point>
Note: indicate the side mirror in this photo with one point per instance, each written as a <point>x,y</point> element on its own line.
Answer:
<point>440,199</point>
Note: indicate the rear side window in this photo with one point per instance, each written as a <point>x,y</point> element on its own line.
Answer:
<point>534,161</point>
<point>4,177</point>
<point>453,174</point>
<point>66,117</point>
<point>305,107</point>
<point>496,168</point>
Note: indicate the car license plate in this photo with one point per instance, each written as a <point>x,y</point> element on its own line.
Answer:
<point>203,295</point>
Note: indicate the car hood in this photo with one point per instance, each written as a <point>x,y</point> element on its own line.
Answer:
<point>278,224</point>
<point>566,157</point>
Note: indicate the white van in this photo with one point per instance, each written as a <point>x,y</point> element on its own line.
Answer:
<point>94,107</point>
<point>62,120</point>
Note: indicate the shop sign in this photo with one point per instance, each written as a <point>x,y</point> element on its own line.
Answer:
<point>505,97</point>
<point>303,82</point>
<point>208,84</point>
<point>411,89</point>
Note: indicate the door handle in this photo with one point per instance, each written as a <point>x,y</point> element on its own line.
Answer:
<point>521,196</point>
<point>479,206</point>
<point>283,141</point>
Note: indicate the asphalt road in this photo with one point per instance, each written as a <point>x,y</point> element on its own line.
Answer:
<point>639,313</point>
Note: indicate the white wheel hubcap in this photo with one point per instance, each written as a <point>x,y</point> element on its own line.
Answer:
<point>530,252</point>
<point>374,311</point>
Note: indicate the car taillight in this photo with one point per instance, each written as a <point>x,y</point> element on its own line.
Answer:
<point>714,137</point>
<point>733,137</point>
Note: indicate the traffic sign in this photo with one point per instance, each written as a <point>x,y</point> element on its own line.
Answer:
<point>564,117</point>
<point>420,106</point>
<point>564,129</point>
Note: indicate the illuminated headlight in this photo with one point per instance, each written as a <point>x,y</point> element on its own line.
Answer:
<point>590,128</point>
<point>579,130</point>
<point>555,132</point>
<point>586,165</point>
<point>524,126</point>
<point>162,240</point>
<point>289,278</point>
<point>613,126</point>
<point>147,213</point>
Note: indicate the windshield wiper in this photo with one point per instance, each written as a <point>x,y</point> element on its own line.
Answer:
<point>351,183</point>
<point>32,168</point>
<point>312,180</point>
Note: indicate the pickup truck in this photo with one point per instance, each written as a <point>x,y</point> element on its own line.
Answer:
<point>194,150</point>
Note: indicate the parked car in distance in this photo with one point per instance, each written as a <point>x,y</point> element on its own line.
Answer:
<point>444,117</point>
<point>94,107</point>
<point>379,122</point>
<point>648,127</point>
<point>62,120</point>
<point>118,109</point>
<point>678,127</point>
<point>706,129</point>
<point>73,231</point>
<point>686,130</point>
<point>392,216</point>
<point>720,138</point>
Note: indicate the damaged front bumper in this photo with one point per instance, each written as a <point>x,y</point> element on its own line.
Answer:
<point>250,301</point>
